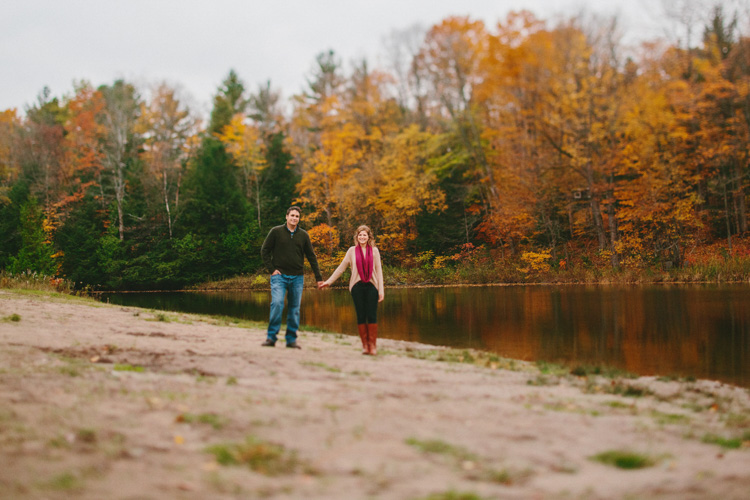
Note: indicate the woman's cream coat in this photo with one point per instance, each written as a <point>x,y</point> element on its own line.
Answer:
<point>350,260</point>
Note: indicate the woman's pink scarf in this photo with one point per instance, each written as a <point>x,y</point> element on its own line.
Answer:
<point>364,263</point>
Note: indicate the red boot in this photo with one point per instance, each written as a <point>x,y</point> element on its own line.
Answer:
<point>363,337</point>
<point>372,339</point>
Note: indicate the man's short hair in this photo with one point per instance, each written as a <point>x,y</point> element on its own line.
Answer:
<point>294,207</point>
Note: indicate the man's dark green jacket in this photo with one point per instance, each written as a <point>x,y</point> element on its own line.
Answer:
<point>286,251</point>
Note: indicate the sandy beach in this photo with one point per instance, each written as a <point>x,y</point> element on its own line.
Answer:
<point>102,401</point>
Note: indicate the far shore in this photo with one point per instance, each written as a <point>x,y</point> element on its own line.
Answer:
<point>103,401</point>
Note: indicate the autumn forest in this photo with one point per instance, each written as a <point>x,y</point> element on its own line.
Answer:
<point>526,151</point>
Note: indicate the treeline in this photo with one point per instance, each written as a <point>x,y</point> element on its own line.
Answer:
<point>528,144</point>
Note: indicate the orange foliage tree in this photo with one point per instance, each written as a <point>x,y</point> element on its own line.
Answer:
<point>83,160</point>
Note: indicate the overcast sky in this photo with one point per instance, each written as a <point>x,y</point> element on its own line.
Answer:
<point>193,44</point>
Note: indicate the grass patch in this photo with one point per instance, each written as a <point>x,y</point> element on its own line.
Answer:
<point>676,378</point>
<point>70,371</point>
<point>670,418</point>
<point>543,380</point>
<point>619,404</point>
<point>220,320</point>
<point>29,280</point>
<point>311,329</point>
<point>505,476</point>
<point>86,436</point>
<point>467,356</point>
<point>48,295</point>
<point>128,368</point>
<point>160,316</point>
<point>66,481</point>
<point>602,371</point>
<point>500,476</point>
<point>265,458</point>
<point>453,495</point>
<point>571,407</point>
<point>728,443</point>
<point>212,419</point>
<point>617,387</point>
<point>448,355</point>
<point>585,267</point>
<point>324,366</point>
<point>59,442</point>
<point>439,447</point>
<point>624,459</point>
<point>15,318</point>
<point>547,368</point>
<point>737,420</point>
<point>695,407</point>
<point>630,391</point>
<point>240,282</point>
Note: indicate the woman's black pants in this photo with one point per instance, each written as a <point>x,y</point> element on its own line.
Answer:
<point>365,297</point>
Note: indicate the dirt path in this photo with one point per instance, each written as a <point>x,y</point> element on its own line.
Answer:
<point>100,401</point>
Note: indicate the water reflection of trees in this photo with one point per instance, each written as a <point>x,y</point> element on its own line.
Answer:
<point>679,330</point>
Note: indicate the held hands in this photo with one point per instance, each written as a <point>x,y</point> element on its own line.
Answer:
<point>321,284</point>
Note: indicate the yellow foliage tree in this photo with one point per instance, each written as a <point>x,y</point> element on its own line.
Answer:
<point>245,143</point>
<point>404,186</point>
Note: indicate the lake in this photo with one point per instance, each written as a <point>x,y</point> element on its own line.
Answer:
<point>672,330</point>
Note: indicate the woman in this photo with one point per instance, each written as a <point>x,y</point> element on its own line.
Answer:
<point>365,285</point>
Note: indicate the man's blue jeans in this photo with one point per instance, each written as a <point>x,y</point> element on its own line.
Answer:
<point>291,286</point>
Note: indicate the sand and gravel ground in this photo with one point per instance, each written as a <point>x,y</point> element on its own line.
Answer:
<point>101,401</point>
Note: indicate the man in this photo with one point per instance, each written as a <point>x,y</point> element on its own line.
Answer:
<point>284,252</point>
